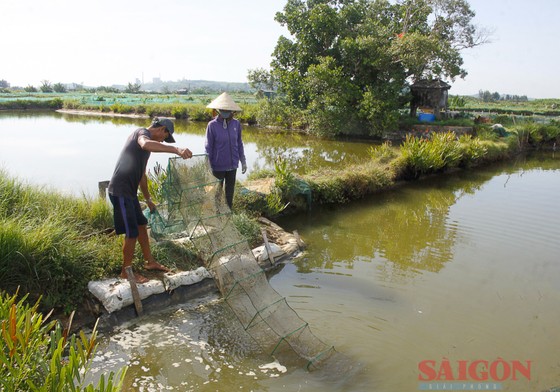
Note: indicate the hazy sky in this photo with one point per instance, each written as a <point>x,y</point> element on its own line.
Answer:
<point>114,42</point>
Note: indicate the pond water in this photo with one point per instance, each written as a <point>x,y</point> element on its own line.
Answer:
<point>457,269</point>
<point>454,269</point>
<point>72,153</point>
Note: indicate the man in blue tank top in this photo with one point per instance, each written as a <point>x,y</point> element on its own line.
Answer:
<point>129,175</point>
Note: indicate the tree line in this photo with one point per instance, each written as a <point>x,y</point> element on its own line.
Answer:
<point>487,96</point>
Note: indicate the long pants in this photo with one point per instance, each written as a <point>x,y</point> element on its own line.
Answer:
<point>229,179</point>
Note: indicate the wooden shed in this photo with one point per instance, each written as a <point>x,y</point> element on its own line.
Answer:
<point>429,95</point>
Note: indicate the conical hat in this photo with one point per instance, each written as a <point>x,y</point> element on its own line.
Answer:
<point>224,102</point>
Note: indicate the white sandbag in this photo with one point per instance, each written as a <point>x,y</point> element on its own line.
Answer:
<point>261,254</point>
<point>115,294</point>
<point>185,278</point>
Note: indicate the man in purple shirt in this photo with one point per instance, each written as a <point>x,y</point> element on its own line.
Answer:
<point>129,174</point>
<point>224,144</point>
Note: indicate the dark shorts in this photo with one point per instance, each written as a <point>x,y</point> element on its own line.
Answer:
<point>127,215</point>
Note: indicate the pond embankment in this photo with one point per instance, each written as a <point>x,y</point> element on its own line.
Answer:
<point>100,113</point>
<point>112,300</point>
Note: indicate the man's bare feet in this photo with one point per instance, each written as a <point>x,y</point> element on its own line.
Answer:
<point>155,266</point>
<point>139,278</point>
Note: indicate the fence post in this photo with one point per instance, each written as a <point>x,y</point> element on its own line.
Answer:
<point>134,290</point>
<point>103,185</point>
<point>299,241</point>
<point>267,246</point>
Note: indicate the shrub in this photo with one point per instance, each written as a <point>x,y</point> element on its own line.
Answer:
<point>248,115</point>
<point>276,112</point>
<point>504,119</point>
<point>121,108</point>
<point>199,113</point>
<point>180,111</point>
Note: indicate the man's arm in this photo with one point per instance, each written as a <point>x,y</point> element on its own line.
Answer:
<point>154,146</point>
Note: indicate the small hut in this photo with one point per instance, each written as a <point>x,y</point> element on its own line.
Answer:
<point>429,95</point>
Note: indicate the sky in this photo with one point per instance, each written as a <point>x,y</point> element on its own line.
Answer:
<point>107,42</point>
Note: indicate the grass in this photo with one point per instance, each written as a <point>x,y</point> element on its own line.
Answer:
<point>47,242</point>
<point>387,165</point>
<point>548,107</point>
<point>52,245</point>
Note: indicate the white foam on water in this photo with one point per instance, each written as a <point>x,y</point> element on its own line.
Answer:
<point>274,365</point>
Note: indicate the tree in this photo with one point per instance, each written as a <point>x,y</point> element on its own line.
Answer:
<point>30,89</point>
<point>4,83</point>
<point>261,79</point>
<point>355,58</point>
<point>59,88</point>
<point>46,86</point>
<point>133,88</point>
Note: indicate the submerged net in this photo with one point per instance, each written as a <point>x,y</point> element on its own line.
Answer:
<point>194,208</point>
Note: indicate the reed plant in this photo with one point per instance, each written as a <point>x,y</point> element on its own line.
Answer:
<point>424,156</point>
<point>39,355</point>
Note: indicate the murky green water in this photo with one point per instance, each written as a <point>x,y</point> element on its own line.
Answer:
<point>459,268</point>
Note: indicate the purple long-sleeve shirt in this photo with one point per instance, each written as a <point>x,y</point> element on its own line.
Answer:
<point>224,146</point>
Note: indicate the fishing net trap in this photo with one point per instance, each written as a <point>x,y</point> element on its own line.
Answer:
<point>194,209</point>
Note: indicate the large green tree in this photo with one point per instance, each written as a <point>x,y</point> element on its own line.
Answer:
<point>347,63</point>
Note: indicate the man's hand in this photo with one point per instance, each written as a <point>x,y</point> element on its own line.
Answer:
<point>243,168</point>
<point>184,153</point>
<point>151,205</point>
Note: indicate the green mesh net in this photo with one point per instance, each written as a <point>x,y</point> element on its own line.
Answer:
<point>195,210</point>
